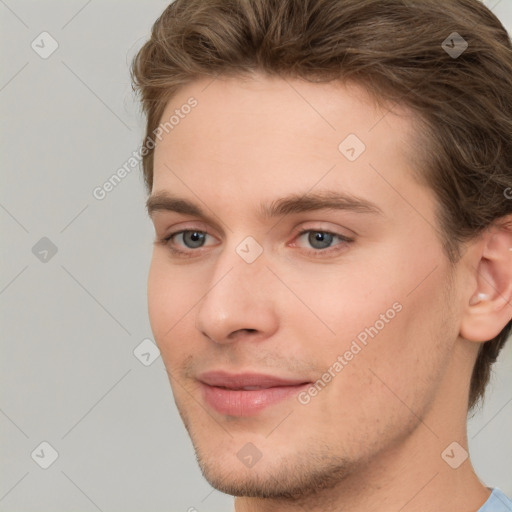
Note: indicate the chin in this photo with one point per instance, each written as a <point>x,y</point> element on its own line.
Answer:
<point>292,477</point>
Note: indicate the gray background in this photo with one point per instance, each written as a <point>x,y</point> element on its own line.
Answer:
<point>70,324</point>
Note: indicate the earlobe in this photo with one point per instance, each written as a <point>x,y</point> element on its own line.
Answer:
<point>489,307</point>
<point>479,297</point>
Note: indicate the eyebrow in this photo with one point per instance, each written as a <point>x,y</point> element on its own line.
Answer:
<point>292,204</point>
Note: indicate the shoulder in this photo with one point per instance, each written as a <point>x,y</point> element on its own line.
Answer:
<point>497,502</point>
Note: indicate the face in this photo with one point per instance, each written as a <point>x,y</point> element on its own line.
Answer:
<point>284,324</point>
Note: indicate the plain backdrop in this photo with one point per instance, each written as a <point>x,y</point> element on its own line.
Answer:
<point>73,281</point>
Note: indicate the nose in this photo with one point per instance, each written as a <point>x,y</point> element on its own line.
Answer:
<point>239,302</point>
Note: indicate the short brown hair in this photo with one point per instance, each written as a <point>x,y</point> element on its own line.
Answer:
<point>394,49</point>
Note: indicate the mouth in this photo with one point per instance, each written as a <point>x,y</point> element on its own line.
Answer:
<point>246,394</point>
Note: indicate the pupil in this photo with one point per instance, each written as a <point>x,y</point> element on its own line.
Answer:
<point>320,240</point>
<point>195,238</point>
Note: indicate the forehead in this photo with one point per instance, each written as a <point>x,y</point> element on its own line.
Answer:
<point>268,135</point>
<point>253,111</point>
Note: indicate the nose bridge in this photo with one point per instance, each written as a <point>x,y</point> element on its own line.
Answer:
<point>239,294</point>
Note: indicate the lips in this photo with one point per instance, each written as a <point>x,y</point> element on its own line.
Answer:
<point>246,394</point>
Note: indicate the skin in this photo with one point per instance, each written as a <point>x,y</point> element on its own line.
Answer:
<point>372,439</point>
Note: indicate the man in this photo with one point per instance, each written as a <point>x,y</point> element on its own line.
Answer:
<point>330,185</point>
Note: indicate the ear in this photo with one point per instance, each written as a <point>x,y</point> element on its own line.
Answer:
<point>489,307</point>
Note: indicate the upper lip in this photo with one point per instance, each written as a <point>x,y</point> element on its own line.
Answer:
<point>242,380</point>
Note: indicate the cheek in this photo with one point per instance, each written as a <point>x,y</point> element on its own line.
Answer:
<point>339,305</point>
<point>390,325</point>
<point>159,299</point>
<point>170,303</point>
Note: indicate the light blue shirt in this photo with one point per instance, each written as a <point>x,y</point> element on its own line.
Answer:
<point>497,502</point>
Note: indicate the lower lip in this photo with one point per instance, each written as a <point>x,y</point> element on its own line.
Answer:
<point>247,403</point>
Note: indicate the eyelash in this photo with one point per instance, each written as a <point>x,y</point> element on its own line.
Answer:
<point>312,252</point>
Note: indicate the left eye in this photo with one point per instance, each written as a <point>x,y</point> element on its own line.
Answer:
<point>321,239</point>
